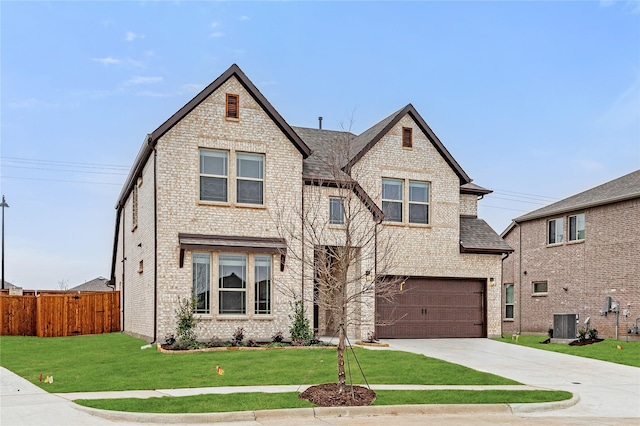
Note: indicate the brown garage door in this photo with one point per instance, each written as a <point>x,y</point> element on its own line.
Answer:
<point>434,308</point>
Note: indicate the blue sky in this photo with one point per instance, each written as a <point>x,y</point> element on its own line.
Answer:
<point>535,100</point>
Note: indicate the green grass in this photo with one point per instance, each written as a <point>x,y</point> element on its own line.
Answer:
<point>265,401</point>
<point>111,362</point>
<point>607,350</point>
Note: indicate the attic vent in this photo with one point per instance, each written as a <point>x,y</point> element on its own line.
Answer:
<point>407,137</point>
<point>233,109</point>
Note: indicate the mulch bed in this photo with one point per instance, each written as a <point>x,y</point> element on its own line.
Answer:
<point>585,342</point>
<point>328,395</point>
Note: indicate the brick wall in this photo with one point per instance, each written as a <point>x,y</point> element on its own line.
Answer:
<point>579,274</point>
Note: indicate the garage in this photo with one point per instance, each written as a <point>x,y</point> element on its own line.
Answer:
<point>434,308</point>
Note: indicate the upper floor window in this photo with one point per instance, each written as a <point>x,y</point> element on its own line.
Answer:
<point>555,229</point>
<point>250,182</point>
<point>418,202</point>
<point>213,175</point>
<point>576,227</point>
<point>336,211</point>
<point>233,106</point>
<point>540,287</point>
<point>407,137</point>
<point>392,191</point>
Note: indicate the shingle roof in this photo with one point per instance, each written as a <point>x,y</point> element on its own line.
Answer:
<point>96,284</point>
<point>624,188</point>
<point>476,236</point>
<point>322,164</point>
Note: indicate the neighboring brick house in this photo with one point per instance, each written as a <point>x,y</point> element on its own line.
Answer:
<point>569,256</point>
<point>196,218</point>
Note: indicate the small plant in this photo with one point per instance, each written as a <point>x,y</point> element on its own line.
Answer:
<point>186,324</point>
<point>169,339</point>
<point>300,330</point>
<point>252,343</point>
<point>550,333</point>
<point>593,334</point>
<point>215,342</point>
<point>582,334</point>
<point>277,338</point>
<point>238,337</point>
<point>371,337</point>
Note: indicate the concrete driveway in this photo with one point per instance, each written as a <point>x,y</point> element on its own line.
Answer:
<point>606,390</point>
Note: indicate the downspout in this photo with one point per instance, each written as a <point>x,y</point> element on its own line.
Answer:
<point>155,244</point>
<point>520,275</point>
<point>302,240</point>
<point>124,258</point>
<point>502,290</point>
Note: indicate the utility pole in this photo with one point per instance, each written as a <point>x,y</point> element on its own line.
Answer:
<point>4,204</point>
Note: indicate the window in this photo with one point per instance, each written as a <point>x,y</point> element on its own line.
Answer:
<point>576,227</point>
<point>201,282</point>
<point>232,284</point>
<point>250,170</point>
<point>336,211</point>
<point>392,190</point>
<point>213,175</point>
<point>418,202</point>
<point>508,301</point>
<point>407,137</point>
<point>233,106</point>
<point>540,287</point>
<point>556,231</point>
<point>262,278</point>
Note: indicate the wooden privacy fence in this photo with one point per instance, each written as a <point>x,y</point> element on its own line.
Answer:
<point>59,314</point>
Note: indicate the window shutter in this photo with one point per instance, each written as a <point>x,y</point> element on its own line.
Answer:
<point>232,106</point>
<point>407,137</point>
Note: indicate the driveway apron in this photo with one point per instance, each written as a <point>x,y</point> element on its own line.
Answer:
<point>605,389</point>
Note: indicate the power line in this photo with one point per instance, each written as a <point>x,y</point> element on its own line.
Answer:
<point>525,195</point>
<point>505,208</point>
<point>61,163</point>
<point>66,171</point>
<point>62,180</point>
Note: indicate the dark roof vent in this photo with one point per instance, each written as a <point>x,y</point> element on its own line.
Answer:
<point>320,123</point>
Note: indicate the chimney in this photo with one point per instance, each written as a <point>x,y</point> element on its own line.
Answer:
<point>320,123</point>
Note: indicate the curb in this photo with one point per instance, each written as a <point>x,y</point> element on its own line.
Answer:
<point>545,406</point>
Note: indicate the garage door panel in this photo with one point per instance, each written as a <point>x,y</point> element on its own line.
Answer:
<point>434,308</point>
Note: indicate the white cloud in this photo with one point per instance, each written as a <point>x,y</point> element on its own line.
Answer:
<point>243,18</point>
<point>214,24</point>
<point>131,36</point>
<point>106,61</point>
<point>589,165</point>
<point>32,103</point>
<point>192,88</point>
<point>144,80</point>
<point>607,3</point>
<point>216,34</point>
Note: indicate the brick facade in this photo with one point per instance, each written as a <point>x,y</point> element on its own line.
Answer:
<point>579,274</point>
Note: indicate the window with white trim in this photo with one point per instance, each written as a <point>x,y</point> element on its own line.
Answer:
<point>250,178</point>
<point>555,231</point>
<point>336,211</point>
<point>418,202</point>
<point>576,227</point>
<point>214,175</point>
<point>262,278</point>
<point>392,196</point>
<point>202,283</point>
<point>232,279</point>
<point>508,301</point>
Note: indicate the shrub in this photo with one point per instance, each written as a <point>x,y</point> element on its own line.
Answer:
<point>593,334</point>
<point>277,338</point>
<point>550,333</point>
<point>582,334</point>
<point>238,337</point>
<point>300,330</point>
<point>252,343</point>
<point>186,324</point>
<point>215,342</point>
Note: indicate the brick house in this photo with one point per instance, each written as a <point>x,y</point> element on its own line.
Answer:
<point>197,218</point>
<point>569,256</point>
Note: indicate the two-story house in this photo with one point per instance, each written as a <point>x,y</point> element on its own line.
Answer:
<point>202,211</point>
<point>574,257</point>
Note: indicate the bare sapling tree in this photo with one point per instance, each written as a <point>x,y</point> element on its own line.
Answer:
<point>335,237</point>
<point>62,284</point>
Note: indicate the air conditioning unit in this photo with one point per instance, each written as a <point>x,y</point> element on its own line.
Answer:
<point>565,326</point>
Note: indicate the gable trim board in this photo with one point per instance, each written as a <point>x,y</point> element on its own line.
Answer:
<point>204,231</point>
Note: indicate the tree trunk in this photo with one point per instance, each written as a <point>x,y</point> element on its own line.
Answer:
<point>342,377</point>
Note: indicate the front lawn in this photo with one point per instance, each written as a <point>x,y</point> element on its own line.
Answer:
<point>111,362</point>
<point>607,350</point>
<point>265,401</point>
